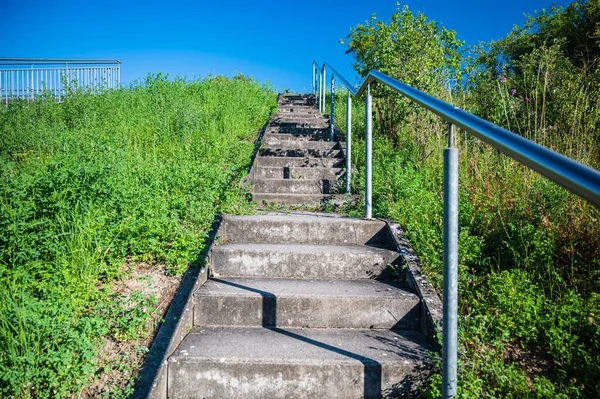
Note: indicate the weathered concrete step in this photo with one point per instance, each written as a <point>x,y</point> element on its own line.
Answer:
<point>303,228</point>
<point>316,124</point>
<point>321,136</point>
<point>294,117</point>
<point>302,261</point>
<point>255,362</point>
<point>303,162</point>
<point>297,110</point>
<point>296,173</point>
<point>292,186</point>
<point>268,302</point>
<point>311,201</point>
<point>271,141</point>
<point>298,131</point>
<point>300,153</point>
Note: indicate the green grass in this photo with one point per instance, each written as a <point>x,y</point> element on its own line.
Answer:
<point>134,175</point>
<point>529,257</point>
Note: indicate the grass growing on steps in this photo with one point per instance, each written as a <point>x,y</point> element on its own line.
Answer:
<point>134,175</point>
<point>529,257</point>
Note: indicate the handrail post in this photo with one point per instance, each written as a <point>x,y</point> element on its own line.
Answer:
<point>368,155</point>
<point>348,142</point>
<point>450,311</point>
<point>331,114</point>
<point>324,90</point>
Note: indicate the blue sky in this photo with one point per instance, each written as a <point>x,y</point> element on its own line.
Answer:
<point>268,40</point>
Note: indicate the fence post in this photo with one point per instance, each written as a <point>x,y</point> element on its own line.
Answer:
<point>450,311</point>
<point>331,114</point>
<point>348,142</point>
<point>368,155</point>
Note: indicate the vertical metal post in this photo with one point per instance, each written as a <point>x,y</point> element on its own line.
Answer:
<point>324,89</point>
<point>368,155</point>
<point>450,316</point>
<point>331,114</point>
<point>320,91</point>
<point>348,142</point>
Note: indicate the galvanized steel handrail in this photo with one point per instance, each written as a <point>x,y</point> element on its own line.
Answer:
<point>57,61</point>
<point>579,179</point>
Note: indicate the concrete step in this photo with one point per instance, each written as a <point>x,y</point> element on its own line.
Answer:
<point>300,153</point>
<point>255,362</point>
<point>298,162</point>
<point>299,110</point>
<point>271,141</point>
<point>293,186</point>
<point>273,302</point>
<point>311,201</point>
<point>298,131</point>
<point>303,228</point>
<point>302,261</point>
<point>321,136</point>
<point>294,117</point>
<point>296,173</point>
<point>316,124</point>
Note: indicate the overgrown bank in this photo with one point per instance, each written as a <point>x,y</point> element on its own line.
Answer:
<point>529,251</point>
<point>134,176</point>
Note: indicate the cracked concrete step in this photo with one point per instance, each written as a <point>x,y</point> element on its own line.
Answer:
<point>303,228</point>
<point>302,261</point>
<point>269,302</point>
<point>298,162</point>
<point>293,186</point>
<point>271,141</point>
<point>310,201</point>
<point>255,362</point>
<point>300,153</point>
<point>297,173</point>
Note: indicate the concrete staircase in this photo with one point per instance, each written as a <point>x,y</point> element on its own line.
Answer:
<point>296,163</point>
<point>300,305</point>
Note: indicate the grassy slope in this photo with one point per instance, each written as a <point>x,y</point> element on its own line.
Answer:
<point>132,175</point>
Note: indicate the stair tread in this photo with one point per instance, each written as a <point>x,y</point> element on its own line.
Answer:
<point>301,346</point>
<point>302,248</point>
<point>290,287</point>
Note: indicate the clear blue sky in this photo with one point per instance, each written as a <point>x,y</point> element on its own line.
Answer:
<point>268,40</point>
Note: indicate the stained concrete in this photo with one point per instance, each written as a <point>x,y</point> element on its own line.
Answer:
<point>316,303</point>
<point>301,260</point>
<point>302,229</point>
<point>296,173</point>
<point>218,362</point>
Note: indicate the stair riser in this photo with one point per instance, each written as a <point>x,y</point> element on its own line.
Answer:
<point>297,173</point>
<point>300,125</point>
<point>301,265</point>
<point>274,142</point>
<point>256,311</point>
<point>285,381</point>
<point>304,200</point>
<point>282,137</point>
<point>334,231</point>
<point>324,132</point>
<point>292,186</point>
<point>300,153</point>
<point>298,162</point>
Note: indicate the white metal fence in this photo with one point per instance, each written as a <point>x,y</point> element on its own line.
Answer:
<point>27,78</point>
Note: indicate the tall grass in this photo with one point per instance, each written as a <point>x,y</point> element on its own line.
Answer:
<point>136,174</point>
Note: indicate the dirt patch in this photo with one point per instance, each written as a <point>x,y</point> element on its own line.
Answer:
<point>139,303</point>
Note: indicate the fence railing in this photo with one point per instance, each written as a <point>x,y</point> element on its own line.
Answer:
<point>26,78</point>
<point>579,179</point>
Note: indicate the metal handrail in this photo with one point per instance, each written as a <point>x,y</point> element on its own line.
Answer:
<point>579,179</point>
